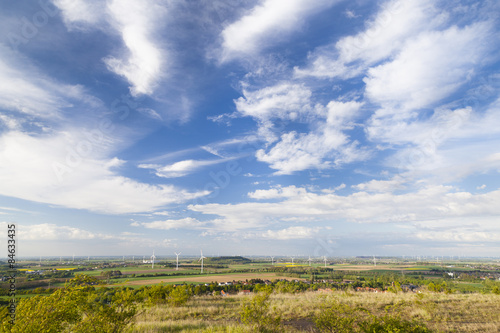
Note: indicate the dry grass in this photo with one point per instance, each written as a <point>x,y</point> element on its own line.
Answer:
<point>440,312</point>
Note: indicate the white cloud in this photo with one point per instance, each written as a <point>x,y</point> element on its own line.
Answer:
<point>78,14</point>
<point>316,149</point>
<point>285,101</point>
<point>265,23</point>
<point>37,96</point>
<point>48,169</point>
<point>397,183</point>
<point>185,223</point>
<point>276,193</point>
<point>182,168</point>
<point>396,22</point>
<point>291,233</point>
<point>51,232</point>
<point>136,22</point>
<point>467,237</point>
<point>426,204</point>
<point>150,113</point>
<point>142,64</point>
<point>434,64</point>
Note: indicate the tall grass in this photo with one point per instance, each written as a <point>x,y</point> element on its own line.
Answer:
<point>439,312</point>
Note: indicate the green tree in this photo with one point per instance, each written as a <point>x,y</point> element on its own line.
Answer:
<point>75,308</point>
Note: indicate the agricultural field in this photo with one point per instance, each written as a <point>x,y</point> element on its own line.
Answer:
<point>236,294</point>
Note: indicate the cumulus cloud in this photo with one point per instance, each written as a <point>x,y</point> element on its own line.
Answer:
<point>267,22</point>
<point>276,193</point>
<point>325,146</point>
<point>284,101</point>
<point>397,183</point>
<point>426,204</point>
<point>185,223</point>
<point>297,232</point>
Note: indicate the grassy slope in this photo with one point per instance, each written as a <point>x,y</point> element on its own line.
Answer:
<point>441,312</point>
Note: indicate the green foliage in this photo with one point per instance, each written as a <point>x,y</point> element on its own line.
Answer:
<point>179,295</point>
<point>76,308</point>
<point>392,324</point>
<point>342,318</point>
<point>337,317</point>
<point>256,312</point>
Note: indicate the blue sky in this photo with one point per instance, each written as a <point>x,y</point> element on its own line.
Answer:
<point>245,127</point>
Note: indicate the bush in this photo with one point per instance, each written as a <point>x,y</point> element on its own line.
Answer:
<point>337,317</point>
<point>392,324</point>
<point>257,313</point>
<point>341,318</point>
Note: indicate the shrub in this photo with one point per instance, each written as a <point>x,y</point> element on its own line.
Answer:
<point>337,317</point>
<point>257,313</point>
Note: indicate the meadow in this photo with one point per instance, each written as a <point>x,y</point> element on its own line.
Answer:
<point>439,312</point>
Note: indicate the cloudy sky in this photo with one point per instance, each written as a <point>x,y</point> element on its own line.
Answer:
<point>250,127</point>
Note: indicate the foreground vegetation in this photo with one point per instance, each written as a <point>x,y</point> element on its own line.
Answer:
<point>83,306</point>
<point>300,298</point>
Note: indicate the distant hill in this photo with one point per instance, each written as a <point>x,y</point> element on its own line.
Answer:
<point>227,260</point>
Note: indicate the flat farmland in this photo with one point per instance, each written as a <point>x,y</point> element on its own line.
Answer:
<point>208,278</point>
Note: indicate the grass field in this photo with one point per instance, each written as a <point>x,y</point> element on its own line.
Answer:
<point>440,312</point>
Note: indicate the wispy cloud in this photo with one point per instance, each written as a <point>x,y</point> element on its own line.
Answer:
<point>143,61</point>
<point>46,169</point>
<point>267,22</point>
<point>395,23</point>
<point>181,168</point>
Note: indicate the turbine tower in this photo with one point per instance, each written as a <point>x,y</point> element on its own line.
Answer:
<point>201,259</point>
<point>309,260</point>
<point>324,259</point>
<point>153,257</point>
<point>374,261</point>
<point>272,260</point>
<point>177,262</point>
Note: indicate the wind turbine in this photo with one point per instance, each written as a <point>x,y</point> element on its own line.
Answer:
<point>201,259</point>
<point>309,260</point>
<point>272,260</point>
<point>177,262</point>
<point>153,257</point>
<point>292,260</point>
<point>374,261</point>
<point>324,259</point>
